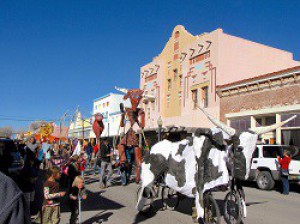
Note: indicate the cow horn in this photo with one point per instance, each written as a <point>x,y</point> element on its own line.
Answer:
<point>230,131</point>
<point>263,130</point>
<point>123,90</point>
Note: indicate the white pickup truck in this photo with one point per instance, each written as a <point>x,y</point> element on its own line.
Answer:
<point>265,169</point>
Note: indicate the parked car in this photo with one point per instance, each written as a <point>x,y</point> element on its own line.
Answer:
<point>265,169</point>
<point>11,160</point>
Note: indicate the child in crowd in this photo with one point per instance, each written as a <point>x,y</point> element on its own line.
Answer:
<point>77,192</point>
<point>82,162</point>
<point>51,210</point>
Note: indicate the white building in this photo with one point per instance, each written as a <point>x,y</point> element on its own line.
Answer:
<point>109,107</point>
<point>80,128</point>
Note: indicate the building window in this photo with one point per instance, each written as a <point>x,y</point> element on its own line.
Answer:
<point>181,80</point>
<point>175,74</point>
<point>169,84</point>
<point>205,96</point>
<point>177,34</point>
<point>241,124</point>
<point>148,113</point>
<point>153,106</point>
<point>179,96</point>
<point>293,123</point>
<point>176,46</point>
<point>199,57</point>
<point>168,100</point>
<point>195,98</point>
<point>107,104</point>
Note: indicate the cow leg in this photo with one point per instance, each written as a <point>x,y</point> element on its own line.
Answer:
<point>146,187</point>
<point>138,161</point>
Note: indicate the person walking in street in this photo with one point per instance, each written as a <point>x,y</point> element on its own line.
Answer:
<point>77,192</point>
<point>51,205</point>
<point>106,165</point>
<point>284,170</point>
<point>89,151</point>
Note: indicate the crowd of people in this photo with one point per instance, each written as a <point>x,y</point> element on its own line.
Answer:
<point>61,168</point>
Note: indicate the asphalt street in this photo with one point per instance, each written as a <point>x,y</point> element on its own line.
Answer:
<point>116,205</point>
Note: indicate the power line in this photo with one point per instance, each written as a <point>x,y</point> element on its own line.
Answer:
<point>15,119</point>
<point>23,117</point>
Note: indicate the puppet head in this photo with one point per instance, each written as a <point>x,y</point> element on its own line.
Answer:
<point>135,96</point>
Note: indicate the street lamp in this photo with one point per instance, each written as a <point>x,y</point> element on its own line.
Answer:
<point>159,123</point>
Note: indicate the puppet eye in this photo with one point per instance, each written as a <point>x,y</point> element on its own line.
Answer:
<point>240,148</point>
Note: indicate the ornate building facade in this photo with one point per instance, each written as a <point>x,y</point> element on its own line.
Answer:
<point>190,68</point>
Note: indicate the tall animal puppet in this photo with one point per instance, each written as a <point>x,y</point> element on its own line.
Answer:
<point>200,163</point>
<point>98,127</point>
<point>136,117</point>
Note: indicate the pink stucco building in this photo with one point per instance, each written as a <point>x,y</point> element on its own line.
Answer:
<point>190,67</point>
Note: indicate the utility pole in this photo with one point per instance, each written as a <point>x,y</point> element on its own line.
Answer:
<point>60,121</point>
<point>82,131</point>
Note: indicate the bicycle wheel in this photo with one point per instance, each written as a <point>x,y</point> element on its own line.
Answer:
<point>148,197</point>
<point>211,210</point>
<point>170,198</point>
<point>232,208</point>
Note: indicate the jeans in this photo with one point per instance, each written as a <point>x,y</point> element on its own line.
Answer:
<point>105,166</point>
<point>88,163</point>
<point>126,169</point>
<point>285,184</point>
<point>97,166</point>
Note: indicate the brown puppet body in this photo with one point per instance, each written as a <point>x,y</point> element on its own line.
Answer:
<point>98,127</point>
<point>135,116</point>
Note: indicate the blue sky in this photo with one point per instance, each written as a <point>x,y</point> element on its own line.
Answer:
<point>55,55</point>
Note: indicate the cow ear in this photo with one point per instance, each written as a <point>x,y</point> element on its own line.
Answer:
<point>218,138</point>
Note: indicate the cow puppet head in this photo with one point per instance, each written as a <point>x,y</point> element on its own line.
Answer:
<point>135,96</point>
<point>244,142</point>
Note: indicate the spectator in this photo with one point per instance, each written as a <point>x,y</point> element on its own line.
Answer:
<point>29,176</point>
<point>47,154</point>
<point>56,155</point>
<point>51,210</point>
<point>40,155</point>
<point>73,170</point>
<point>76,193</point>
<point>89,151</point>
<point>31,150</point>
<point>82,162</point>
<point>106,165</point>
<point>13,208</point>
<point>284,163</point>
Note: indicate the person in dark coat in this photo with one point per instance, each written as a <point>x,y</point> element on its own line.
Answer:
<point>73,170</point>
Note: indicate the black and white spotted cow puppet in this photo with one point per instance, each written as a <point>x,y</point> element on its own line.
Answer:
<point>199,163</point>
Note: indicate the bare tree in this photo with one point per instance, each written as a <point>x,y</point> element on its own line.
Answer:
<point>36,125</point>
<point>6,132</point>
